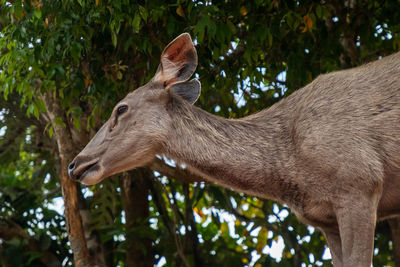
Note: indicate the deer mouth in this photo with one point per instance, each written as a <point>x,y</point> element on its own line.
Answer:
<point>91,167</point>
<point>84,171</point>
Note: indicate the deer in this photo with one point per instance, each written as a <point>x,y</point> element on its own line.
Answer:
<point>330,151</point>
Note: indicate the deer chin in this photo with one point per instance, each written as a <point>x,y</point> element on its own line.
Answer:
<point>92,175</point>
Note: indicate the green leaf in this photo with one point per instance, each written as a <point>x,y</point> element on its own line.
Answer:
<point>212,30</point>
<point>59,121</point>
<point>75,51</point>
<point>136,23</point>
<point>262,239</point>
<point>37,13</point>
<point>224,229</point>
<point>143,12</point>
<point>77,123</point>
<point>35,111</point>
<point>231,26</point>
<point>51,131</point>
<point>61,93</point>
<point>18,9</point>
<point>114,38</point>
<point>40,104</point>
<point>30,109</point>
<point>318,11</point>
<point>46,127</point>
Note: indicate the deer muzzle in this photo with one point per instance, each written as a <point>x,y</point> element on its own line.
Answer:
<point>79,169</point>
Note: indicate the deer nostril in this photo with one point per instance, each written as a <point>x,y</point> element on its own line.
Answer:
<point>71,166</point>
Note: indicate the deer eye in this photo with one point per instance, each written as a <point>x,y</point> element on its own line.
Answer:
<point>122,109</point>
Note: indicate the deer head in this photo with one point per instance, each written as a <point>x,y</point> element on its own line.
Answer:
<point>140,123</point>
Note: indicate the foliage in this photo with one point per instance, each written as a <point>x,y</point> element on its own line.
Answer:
<point>89,54</point>
<point>28,225</point>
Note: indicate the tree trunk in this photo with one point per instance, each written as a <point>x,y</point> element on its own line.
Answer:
<point>191,235</point>
<point>135,191</point>
<point>395,229</point>
<point>66,152</point>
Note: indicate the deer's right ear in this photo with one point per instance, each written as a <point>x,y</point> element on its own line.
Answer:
<point>178,61</point>
<point>190,91</point>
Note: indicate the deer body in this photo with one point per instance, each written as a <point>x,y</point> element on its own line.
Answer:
<point>330,151</point>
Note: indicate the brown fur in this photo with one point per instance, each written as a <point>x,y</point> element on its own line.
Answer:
<point>330,151</point>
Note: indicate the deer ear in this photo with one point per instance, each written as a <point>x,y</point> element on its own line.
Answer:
<point>178,61</point>
<point>190,91</point>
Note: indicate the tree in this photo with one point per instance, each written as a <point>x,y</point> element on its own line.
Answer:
<point>63,66</point>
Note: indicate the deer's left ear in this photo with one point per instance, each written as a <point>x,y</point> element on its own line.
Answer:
<point>190,91</point>
<point>178,61</point>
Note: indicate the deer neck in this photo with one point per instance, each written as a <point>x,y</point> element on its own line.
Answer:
<point>249,155</point>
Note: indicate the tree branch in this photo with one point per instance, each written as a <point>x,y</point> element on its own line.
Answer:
<point>73,217</point>
<point>11,137</point>
<point>10,230</point>
<point>134,190</point>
